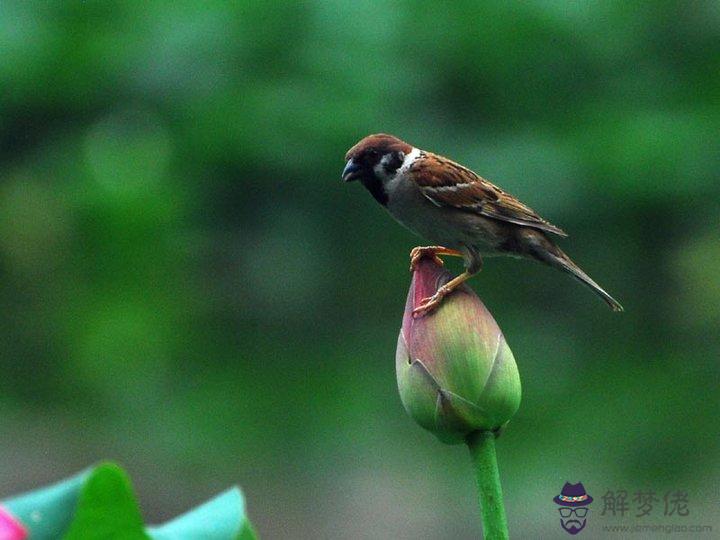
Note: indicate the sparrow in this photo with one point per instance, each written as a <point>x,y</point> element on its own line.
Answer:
<point>457,210</point>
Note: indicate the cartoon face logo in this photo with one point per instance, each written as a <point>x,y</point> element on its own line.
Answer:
<point>573,501</point>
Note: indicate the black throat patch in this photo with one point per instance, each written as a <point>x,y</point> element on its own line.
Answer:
<point>375,186</point>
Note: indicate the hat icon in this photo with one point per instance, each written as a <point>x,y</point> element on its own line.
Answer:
<point>573,495</point>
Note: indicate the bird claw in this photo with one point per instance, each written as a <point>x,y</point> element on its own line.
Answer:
<point>418,253</point>
<point>430,303</point>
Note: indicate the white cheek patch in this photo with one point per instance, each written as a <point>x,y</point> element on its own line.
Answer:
<point>397,178</point>
<point>390,180</point>
<point>379,169</point>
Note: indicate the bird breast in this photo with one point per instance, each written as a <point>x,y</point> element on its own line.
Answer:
<point>439,225</point>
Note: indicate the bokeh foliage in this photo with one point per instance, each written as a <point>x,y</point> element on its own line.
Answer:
<point>186,286</point>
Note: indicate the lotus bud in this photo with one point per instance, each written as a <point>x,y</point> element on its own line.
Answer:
<point>455,372</point>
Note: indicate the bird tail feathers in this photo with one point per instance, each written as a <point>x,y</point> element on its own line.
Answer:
<point>552,255</point>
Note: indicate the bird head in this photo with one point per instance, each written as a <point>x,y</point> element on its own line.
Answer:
<point>376,157</point>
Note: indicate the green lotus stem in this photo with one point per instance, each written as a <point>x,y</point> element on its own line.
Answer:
<point>492,509</point>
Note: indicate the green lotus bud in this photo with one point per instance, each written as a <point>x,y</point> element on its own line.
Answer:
<point>456,374</point>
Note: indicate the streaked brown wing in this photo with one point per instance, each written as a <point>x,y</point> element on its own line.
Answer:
<point>446,183</point>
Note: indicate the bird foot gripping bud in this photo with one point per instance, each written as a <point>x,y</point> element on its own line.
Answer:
<point>455,372</point>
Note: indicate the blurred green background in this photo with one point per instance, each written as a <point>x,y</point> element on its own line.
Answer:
<point>187,287</point>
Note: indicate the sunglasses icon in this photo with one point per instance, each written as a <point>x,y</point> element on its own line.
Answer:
<point>566,512</point>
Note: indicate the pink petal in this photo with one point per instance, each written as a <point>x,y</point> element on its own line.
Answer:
<point>10,528</point>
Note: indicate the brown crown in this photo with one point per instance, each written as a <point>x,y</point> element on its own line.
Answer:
<point>380,143</point>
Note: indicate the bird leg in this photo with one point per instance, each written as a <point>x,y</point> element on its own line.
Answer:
<point>432,302</point>
<point>419,252</point>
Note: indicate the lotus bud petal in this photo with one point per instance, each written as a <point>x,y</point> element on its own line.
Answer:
<point>455,372</point>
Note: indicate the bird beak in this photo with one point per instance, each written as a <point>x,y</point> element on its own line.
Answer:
<point>351,171</point>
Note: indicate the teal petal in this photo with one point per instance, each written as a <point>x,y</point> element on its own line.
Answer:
<point>221,518</point>
<point>99,503</point>
<point>47,512</point>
